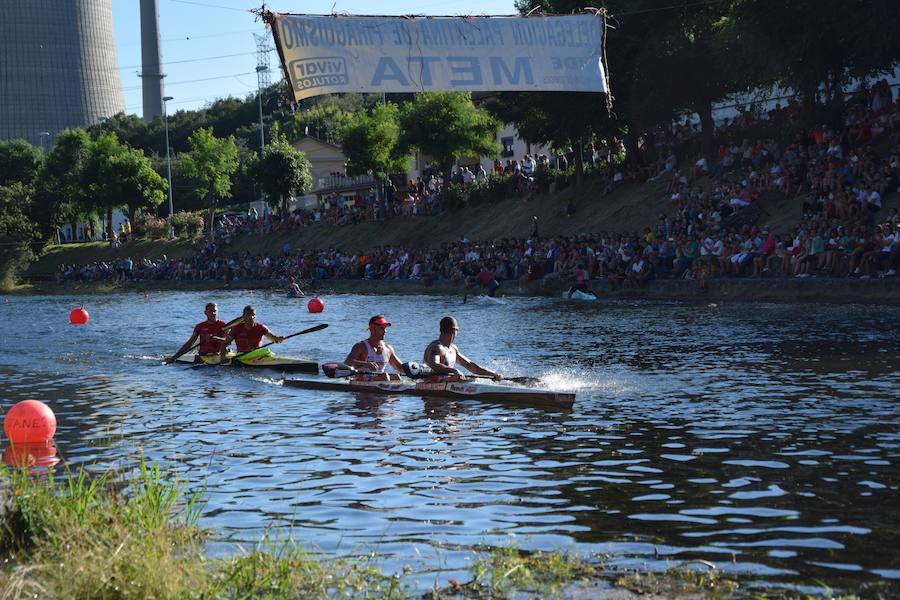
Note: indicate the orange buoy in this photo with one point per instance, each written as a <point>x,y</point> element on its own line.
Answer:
<point>79,316</point>
<point>29,422</point>
<point>315,305</point>
<point>31,455</point>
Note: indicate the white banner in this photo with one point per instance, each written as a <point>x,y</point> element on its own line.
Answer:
<point>330,54</point>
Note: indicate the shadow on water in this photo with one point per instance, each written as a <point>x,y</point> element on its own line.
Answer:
<point>763,438</point>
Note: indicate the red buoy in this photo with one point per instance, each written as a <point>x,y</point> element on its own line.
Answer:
<point>79,316</point>
<point>31,455</point>
<point>29,422</point>
<point>315,305</point>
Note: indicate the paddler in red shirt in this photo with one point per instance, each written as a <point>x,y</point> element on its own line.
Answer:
<point>207,332</point>
<point>247,334</point>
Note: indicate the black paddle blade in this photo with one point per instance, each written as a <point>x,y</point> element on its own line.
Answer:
<point>335,369</point>
<point>414,370</point>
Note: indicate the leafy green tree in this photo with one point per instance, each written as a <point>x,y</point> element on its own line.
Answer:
<point>116,176</point>
<point>370,143</point>
<point>211,163</point>
<point>323,121</point>
<point>283,172</point>
<point>60,194</point>
<point>814,46</point>
<point>18,233</point>
<point>19,162</point>
<point>446,126</point>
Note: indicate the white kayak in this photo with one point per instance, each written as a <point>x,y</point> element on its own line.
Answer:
<point>579,295</point>
<point>465,390</point>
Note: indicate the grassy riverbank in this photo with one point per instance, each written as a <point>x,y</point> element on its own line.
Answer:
<point>630,208</point>
<point>78,536</point>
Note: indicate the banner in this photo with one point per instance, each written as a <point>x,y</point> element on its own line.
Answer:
<point>331,54</point>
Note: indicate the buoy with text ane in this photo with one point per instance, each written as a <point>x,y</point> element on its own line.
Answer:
<point>315,305</point>
<point>79,316</point>
<point>29,422</point>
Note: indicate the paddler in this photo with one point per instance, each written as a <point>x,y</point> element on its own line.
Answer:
<point>373,355</point>
<point>208,332</point>
<point>247,334</point>
<point>295,291</point>
<point>442,355</point>
<point>580,277</point>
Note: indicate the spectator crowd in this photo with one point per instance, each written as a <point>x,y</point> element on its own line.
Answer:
<point>834,176</point>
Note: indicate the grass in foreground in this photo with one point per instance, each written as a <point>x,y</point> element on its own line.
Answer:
<point>79,536</point>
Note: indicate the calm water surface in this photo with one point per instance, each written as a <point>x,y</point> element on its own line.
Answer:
<point>763,438</point>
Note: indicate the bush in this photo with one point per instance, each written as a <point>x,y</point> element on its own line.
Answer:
<point>453,197</point>
<point>149,227</point>
<point>187,224</point>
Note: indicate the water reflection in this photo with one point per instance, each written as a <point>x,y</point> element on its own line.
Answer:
<point>762,438</point>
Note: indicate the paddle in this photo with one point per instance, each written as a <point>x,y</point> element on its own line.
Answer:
<point>522,380</point>
<point>225,327</point>
<point>318,327</point>
<point>419,371</point>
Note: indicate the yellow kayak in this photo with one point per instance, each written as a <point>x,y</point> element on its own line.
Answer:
<point>262,360</point>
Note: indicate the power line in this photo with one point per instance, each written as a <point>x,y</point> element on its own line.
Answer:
<point>128,89</point>
<point>189,60</point>
<point>211,5</point>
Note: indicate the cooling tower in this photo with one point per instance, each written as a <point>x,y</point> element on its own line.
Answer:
<point>58,66</point>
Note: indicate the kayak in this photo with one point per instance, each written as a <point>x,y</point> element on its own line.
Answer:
<point>579,295</point>
<point>463,390</point>
<point>268,360</point>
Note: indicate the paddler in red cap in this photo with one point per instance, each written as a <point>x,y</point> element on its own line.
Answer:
<point>442,355</point>
<point>373,355</point>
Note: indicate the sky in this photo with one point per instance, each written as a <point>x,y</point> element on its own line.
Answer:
<point>209,52</point>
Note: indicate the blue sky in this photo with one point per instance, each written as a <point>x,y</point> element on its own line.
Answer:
<point>208,48</point>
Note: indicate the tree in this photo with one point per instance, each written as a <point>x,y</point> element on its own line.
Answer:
<point>19,162</point>
<point>60,194</point>
<point>283,172</point>
<point>811,46</point>
<point>446,126</point>
<point>211,163</point>
<point>18,233</point>
<point>116,176</point>
<point>322,121</point>
<point>370,143</point>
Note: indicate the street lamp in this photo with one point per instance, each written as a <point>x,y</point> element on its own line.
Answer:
<point>43,134</point>
<point>168,163</point>
<point>101,121</point>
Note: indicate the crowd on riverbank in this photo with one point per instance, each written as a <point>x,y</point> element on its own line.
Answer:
<point>834,177</point>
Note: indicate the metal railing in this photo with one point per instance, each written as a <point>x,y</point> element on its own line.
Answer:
<point>334,182</point>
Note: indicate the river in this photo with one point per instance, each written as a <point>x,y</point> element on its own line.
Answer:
<point>761,437</point>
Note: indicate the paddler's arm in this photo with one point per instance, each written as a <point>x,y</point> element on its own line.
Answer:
<point>187,346</point>
<point>228,339</point>
<point>394,361</point>
<point>475,368</point>
<point>275,339</point>
<point>353,359</point>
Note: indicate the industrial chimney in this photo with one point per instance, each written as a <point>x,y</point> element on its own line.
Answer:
<point>151,69</point>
